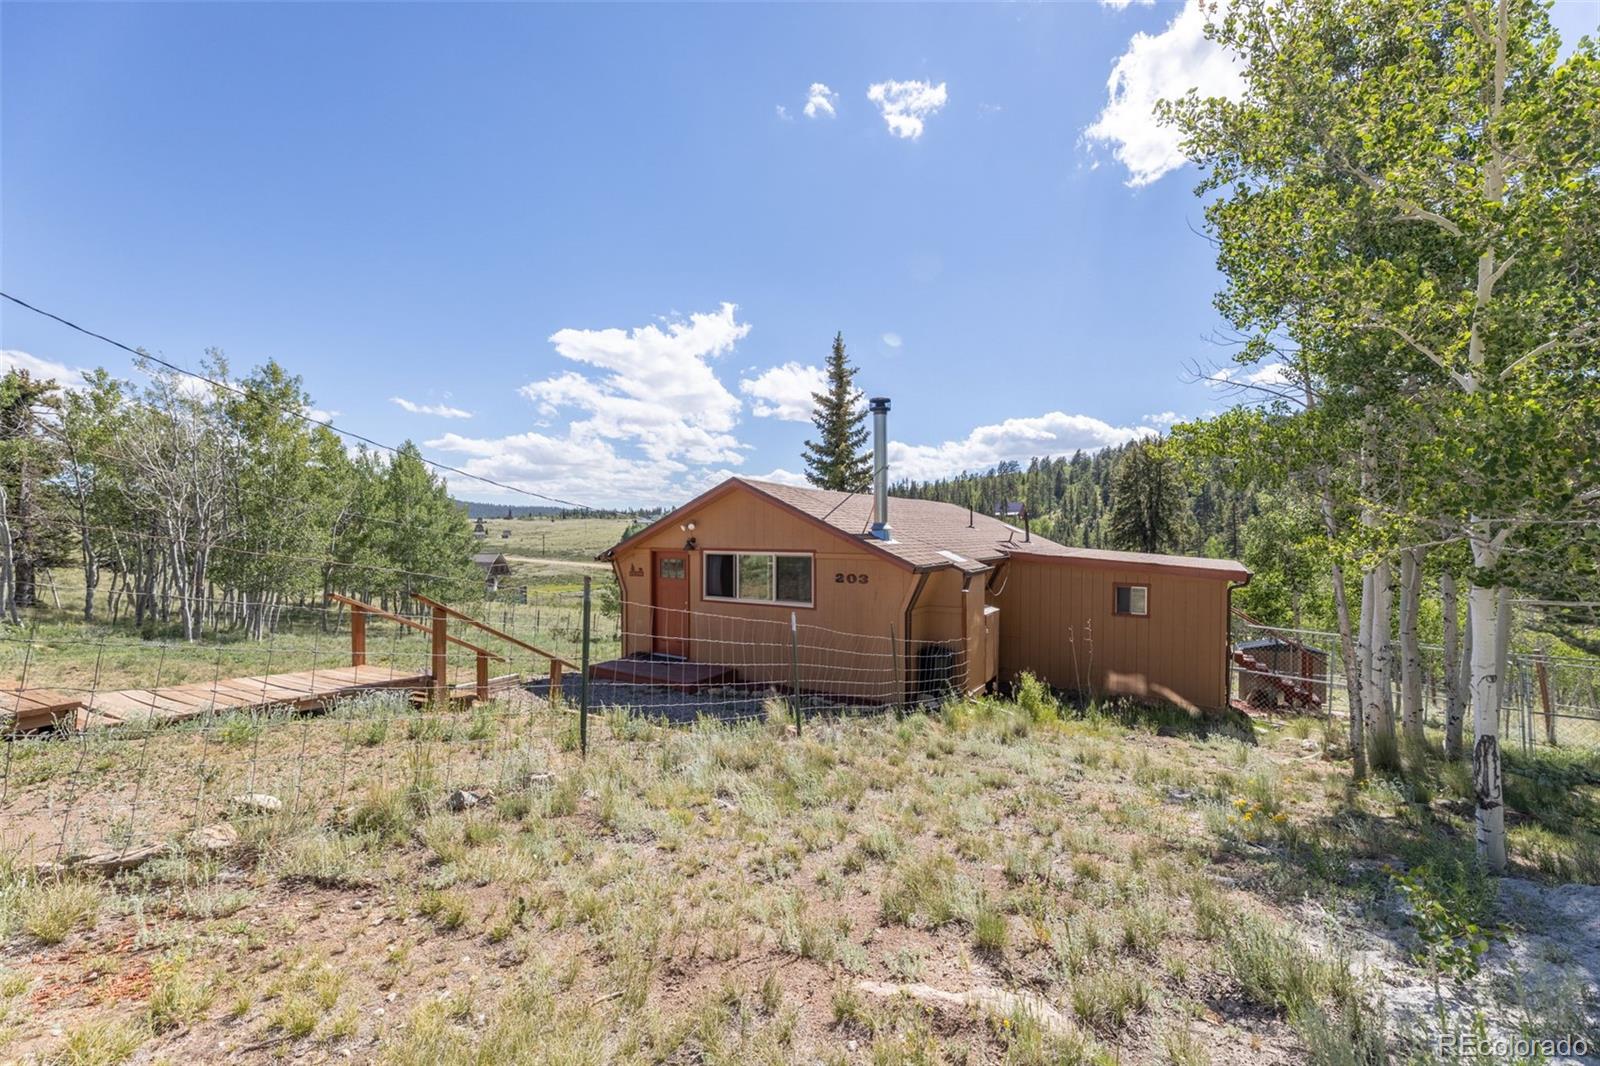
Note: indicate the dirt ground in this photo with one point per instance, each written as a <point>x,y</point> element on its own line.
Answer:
<point>994,883</point>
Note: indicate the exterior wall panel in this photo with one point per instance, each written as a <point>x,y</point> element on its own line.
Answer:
<point>858,595</point>
<point>1061,625</point>
<point>1056,618</point>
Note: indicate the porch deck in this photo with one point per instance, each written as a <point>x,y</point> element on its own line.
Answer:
<point>658,672</point>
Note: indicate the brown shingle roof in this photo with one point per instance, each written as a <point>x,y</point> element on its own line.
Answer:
<point>929,535</point>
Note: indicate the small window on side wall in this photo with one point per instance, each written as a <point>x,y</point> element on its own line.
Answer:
<point>1133,599</point>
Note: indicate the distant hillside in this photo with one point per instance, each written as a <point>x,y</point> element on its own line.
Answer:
<point>476,509</point>
<point>501,510</point>
<point>1069,500</point>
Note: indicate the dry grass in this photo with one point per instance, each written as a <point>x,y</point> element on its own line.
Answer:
<point>711,894</point>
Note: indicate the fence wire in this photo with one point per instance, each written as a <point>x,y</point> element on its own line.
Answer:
<point>1546,700</point>
<point>219,747</point>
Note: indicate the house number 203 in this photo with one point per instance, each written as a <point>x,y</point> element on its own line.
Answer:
<point>849,579</point>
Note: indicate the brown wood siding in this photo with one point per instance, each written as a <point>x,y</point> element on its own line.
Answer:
<point>844,637</point>
<point>1059,624</point>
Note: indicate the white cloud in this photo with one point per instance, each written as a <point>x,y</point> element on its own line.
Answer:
<point>906,104</point>
<point>649,425</point>
<point>574,467</point>
<point>1162,420</point>
<point>1053,433</point>
<point>39,369</point>
<point>321,415</point>
<point>1269,375</point>
<point>820,101</point>
<point>784,477</point>
<point>659,390</point>
<point>438,410</point>
<point>783,113</point>
<point>1122,5</point>
<point>1160,66</point>
<point>784,392</point>
<point>893,340</point>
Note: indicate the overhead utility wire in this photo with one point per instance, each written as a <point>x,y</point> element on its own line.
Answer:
<point>288,410</point>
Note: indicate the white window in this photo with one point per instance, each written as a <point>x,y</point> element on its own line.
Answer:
<point>759,577</point>
<point>1133,599</point>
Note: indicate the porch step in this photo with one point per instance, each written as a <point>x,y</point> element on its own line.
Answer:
<point>656,672</point>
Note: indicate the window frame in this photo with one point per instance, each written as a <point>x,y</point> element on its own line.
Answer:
<point>705,575</point>
<point>1116,591</point>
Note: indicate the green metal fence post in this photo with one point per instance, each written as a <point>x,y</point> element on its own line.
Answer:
<point>583,679</point>
<point>794,666</point>
<point>794,669</point>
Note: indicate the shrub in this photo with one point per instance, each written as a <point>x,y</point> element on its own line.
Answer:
<point>989,928</point>
<point>1106,999</point>
<point>100,1042</point>
<point>1275,970</point>
<point>1035,697</point>
<point>922,890</point>
<point>178,997</point>
<point>53,910</point>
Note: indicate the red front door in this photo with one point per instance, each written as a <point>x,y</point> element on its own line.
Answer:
<point>670,595</point>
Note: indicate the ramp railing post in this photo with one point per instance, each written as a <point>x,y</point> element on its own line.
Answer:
<point>439,659</point>
<point>583,678</point>
<point>358,636</point>
<point>1542,673</point>
<point>483,677</point>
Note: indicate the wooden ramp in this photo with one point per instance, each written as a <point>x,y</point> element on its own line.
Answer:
<point>36,708</point>
<point>301,691</point>
<point>23,710</point>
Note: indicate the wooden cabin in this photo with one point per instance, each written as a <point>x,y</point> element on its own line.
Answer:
<point>887,595</point>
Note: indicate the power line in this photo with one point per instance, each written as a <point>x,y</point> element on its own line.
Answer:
<point>290,411</point>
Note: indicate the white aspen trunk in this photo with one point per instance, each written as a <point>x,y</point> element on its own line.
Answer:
<point>1410,651</point>
<point>1382,737</point>
<point>8,572</point>
<point>1487,785</point>
<point>1347,649</point>
<point>1452,667</point>
<point>1352,680</point>
<point>1364,654</point>
<point>1464,675</point>
<point>1502,647</point>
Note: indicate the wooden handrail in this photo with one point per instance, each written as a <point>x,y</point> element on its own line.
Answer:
<point>492,631</point>
<point>379,612</point>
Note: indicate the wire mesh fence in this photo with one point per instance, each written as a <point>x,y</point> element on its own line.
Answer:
<point>229,741</point>
<point>1546,700</point>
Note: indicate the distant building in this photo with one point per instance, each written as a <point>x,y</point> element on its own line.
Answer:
<point>478,530</point>
<point>494,567</point>
<point>1010,509</point>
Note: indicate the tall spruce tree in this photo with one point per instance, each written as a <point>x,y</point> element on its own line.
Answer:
<point>837,459</point>
<point>1148,508</point>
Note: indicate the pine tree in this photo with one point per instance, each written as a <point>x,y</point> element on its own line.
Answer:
<point>838,459</point>
<point>1147,501</point>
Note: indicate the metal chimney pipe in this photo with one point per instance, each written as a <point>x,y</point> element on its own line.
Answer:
<point>879,406</point>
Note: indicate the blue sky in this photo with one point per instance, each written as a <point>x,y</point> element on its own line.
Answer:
<point>599,251</point>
